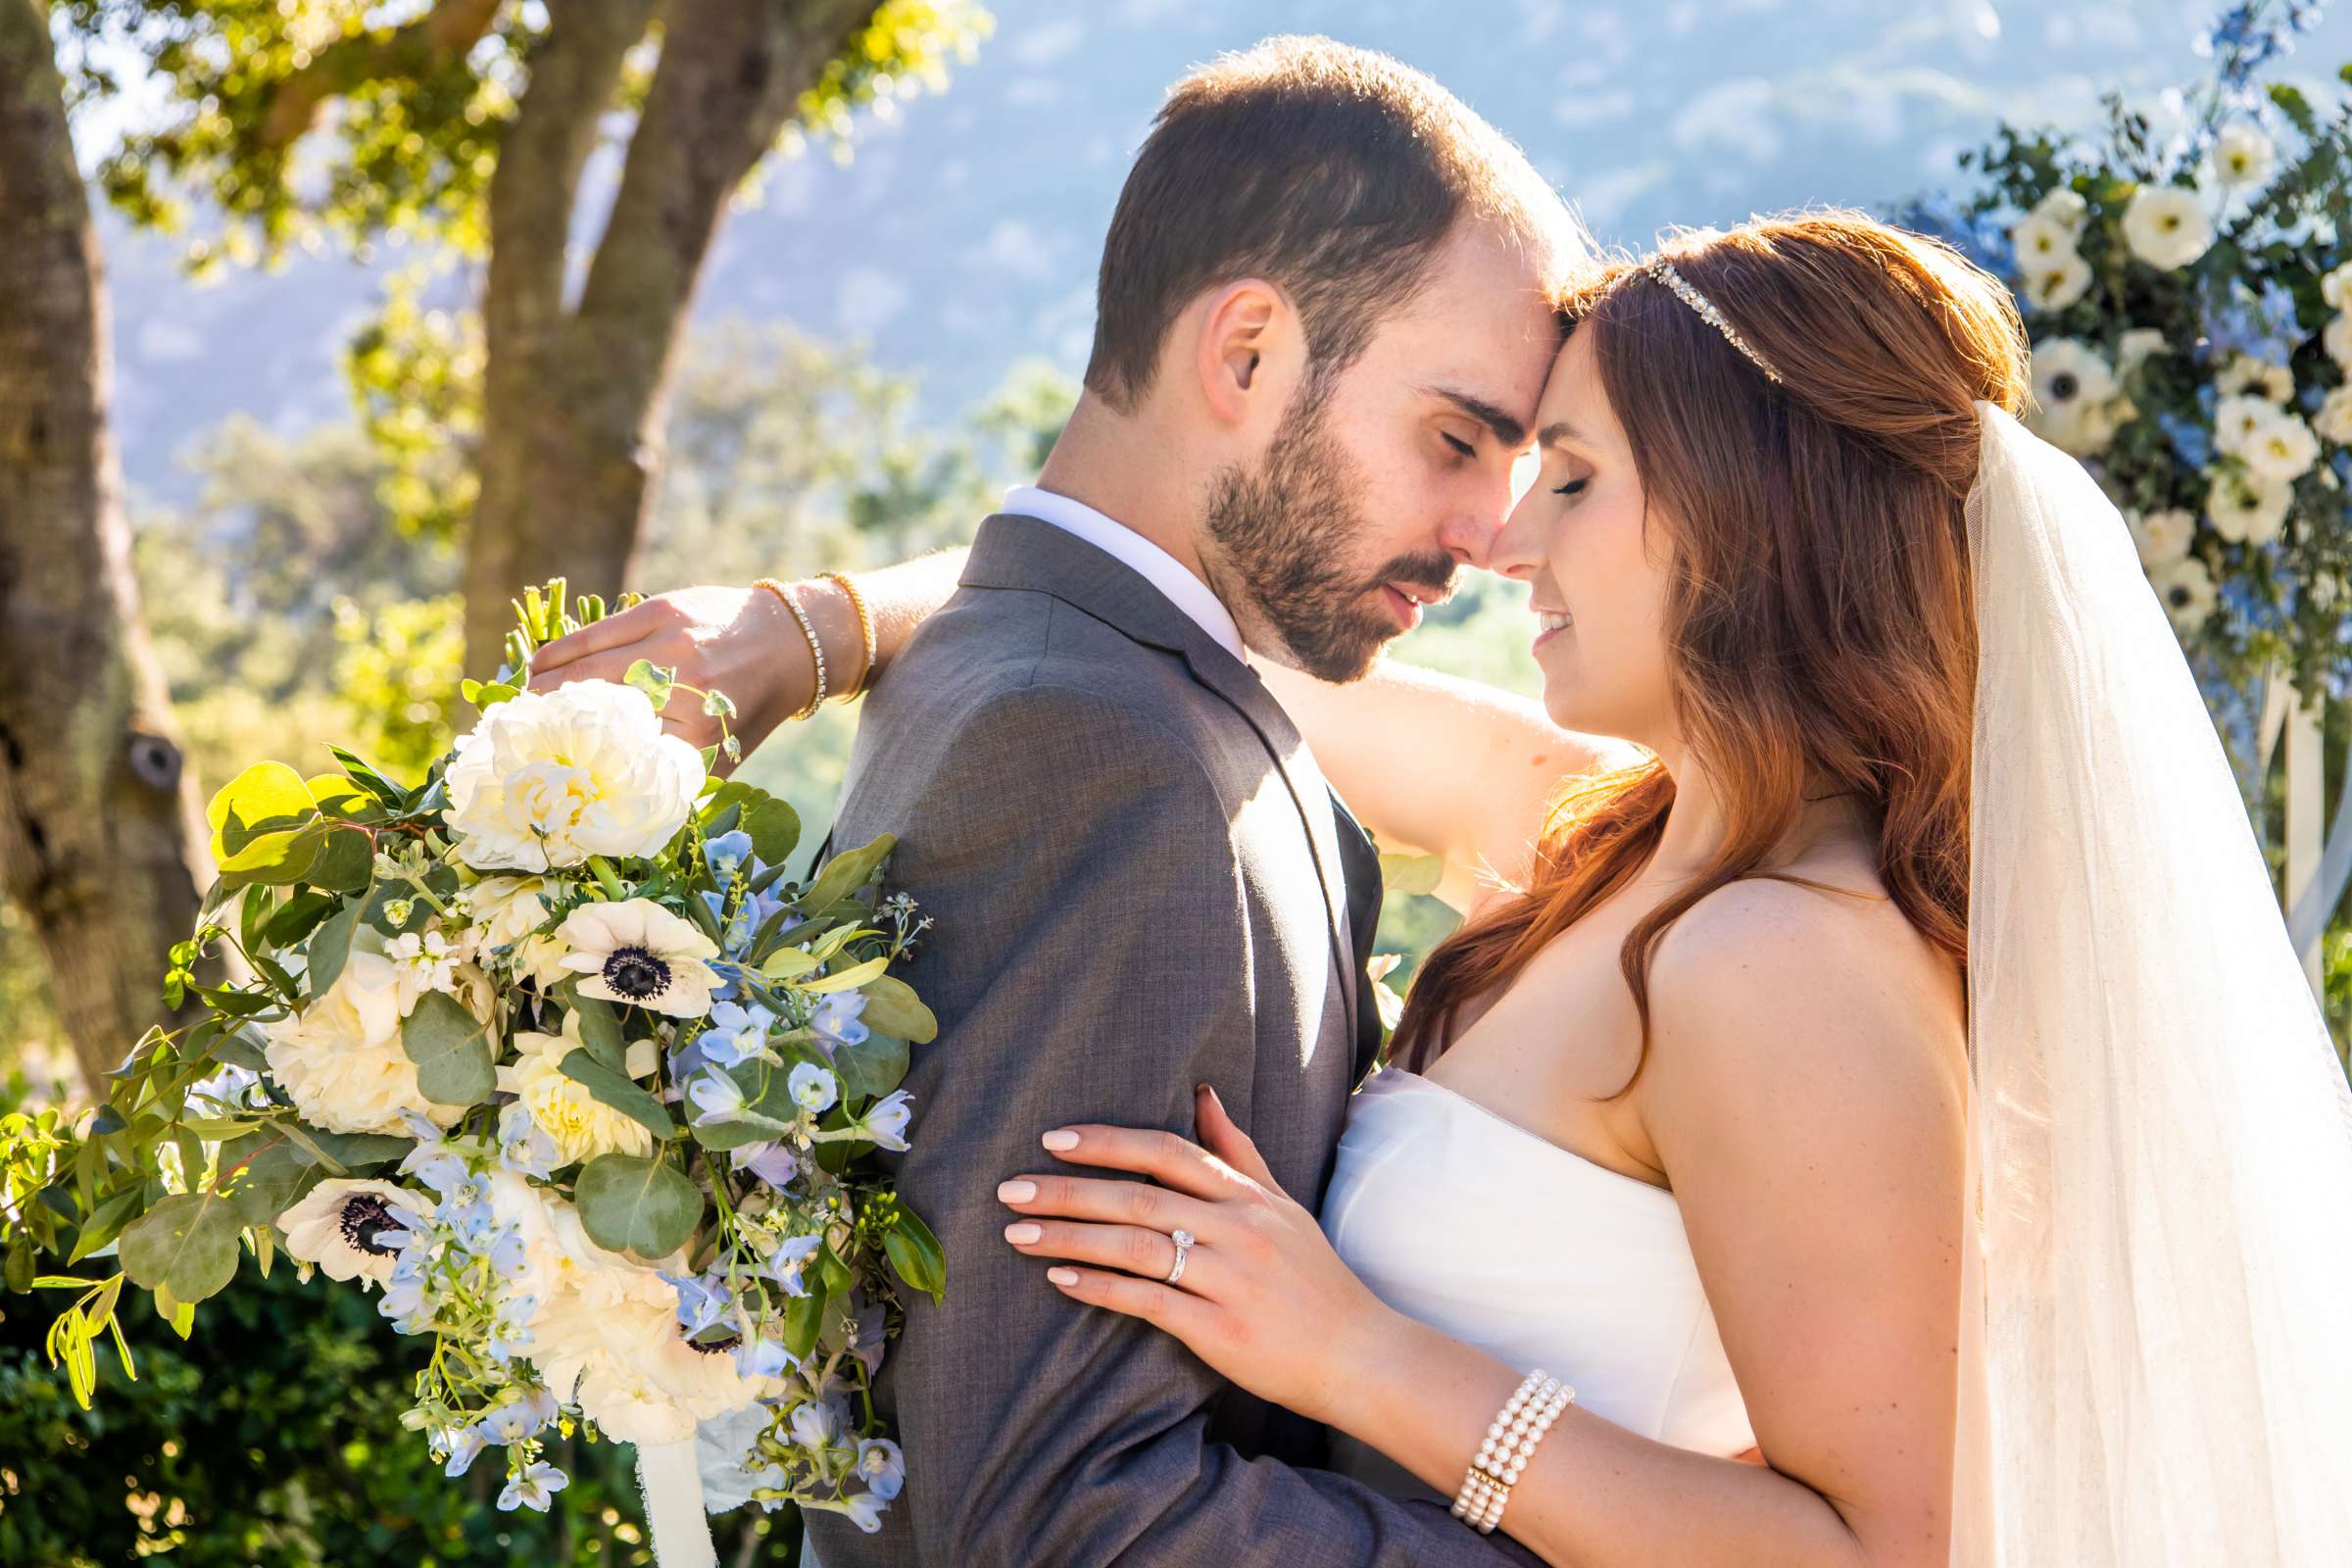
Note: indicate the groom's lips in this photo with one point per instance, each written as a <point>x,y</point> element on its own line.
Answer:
<point>1407,611</point>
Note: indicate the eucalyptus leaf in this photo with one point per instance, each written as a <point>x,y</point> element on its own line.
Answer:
<point>631,1203</point>
<point>619,1091</point>
<point>330,945</point>
<point>872,1068</point>
<point>186,1244</point>
<point>774,827</point>
<point>273,1176</point>
<point>297,916</point>
<point>451,1049</point>
<point>893,1009</point>
<point>242,1050</point>
<point>367,778</point>
<point>849,871</point>
<point>342,1152</point>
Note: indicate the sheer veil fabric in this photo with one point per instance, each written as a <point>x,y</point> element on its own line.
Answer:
<point>2156,1337</point>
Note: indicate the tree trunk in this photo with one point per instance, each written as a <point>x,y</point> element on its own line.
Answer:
<point>574,399</point>
<point>102,840</point>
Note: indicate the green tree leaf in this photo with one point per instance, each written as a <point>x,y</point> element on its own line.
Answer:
<point>617,1090</point>
<point>631,1204</point>
<point>451,1049</point>
<point>893,1009</point>
<point>848,871</point>
<point>187,1244</point>
<point>850,979</point>
<point>916,1254</point>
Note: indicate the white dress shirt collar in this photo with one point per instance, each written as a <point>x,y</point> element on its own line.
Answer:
<point>1123,544</point>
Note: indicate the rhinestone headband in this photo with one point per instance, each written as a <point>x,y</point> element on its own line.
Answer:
<point>1664,271</point>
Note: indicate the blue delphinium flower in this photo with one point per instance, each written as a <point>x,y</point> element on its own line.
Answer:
<point>835,1018</point>
<point>521,1417</point>
<point>523,1145</point>
<point>727,853</point>
<point>791,1256</point>
<point>737,1032</point>
<point>769,1161</point>
<point>464,1445</point>
<point>716,1098</point>
<point>885,1120</point>
<point>881,1466</point>
<point>703,1300</point>
<point>764,1358</point>
<point>812,1088</point>
<point>532,1488</point>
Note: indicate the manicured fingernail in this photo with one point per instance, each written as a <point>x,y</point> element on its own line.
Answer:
<point>1016,1192</point>
<point>1023,1234</point>
<point>1062,1276</point>
<point>1060,1138</point>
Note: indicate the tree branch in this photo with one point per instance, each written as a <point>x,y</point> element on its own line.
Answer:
<point>416,49</point>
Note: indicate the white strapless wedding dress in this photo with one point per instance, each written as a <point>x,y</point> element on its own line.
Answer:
<point>1504,1239</point>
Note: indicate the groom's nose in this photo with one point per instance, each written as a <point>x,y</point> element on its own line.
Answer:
<point>1468,535</point>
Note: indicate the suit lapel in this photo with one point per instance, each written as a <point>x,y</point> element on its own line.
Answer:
<point>1026,553</point>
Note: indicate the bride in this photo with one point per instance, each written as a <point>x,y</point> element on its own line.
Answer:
<point>1888,1065</point>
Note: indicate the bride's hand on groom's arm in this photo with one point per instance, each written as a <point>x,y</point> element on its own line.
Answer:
<point>1264,1298</point>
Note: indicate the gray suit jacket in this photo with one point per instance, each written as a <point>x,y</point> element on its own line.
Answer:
<point>1136,874</point>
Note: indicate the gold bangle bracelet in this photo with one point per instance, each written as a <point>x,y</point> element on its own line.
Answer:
<point>817,650</point>
<point>866,629</point>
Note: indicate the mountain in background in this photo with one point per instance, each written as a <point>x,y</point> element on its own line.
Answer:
<point>963,236</point>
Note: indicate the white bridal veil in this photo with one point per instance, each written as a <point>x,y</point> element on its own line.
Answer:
<point>2156,1349</point>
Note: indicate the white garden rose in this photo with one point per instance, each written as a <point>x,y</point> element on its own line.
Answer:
<point>2243,156</point>
<point>550,778</point>
<point>2245,510</point>
<point>2187,591</point>
<point>2079,405</point>
<point>2134,347</point>
<point>2335,417</point>
<point>2337,289</point>
<point>341,1059</point>
<point>608,1337</point>
<point>508,908</point>
<point>2064,206</point>
<point>2246,374</point>
<point>634,952</point>
<point>2336,340</point>
<point>2166,226</point>
<point>2282,450</point>
<point>2054,283</point>
<point>2162,537</point>
<point>336,1225</point>
<point>2042,240</point>
<point>2237,420</point>
<point>581,1125</point>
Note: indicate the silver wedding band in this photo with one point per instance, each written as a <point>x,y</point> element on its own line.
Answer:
<point>1184,1250</point>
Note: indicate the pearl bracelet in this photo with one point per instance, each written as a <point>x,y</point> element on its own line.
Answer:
<point>1510,1440</point>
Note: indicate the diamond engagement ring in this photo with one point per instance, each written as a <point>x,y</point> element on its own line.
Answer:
<point>1184,1250</point>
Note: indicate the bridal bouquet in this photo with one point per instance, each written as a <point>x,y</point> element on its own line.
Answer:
<point>550,1052</point>
<point>2191,299</point>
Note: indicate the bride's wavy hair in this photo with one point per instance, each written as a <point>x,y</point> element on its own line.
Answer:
<point>1819,624</point>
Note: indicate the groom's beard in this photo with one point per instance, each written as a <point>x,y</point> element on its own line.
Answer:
<point>1287,535</point>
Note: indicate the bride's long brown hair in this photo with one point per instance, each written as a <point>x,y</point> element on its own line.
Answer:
<point>1820,624</point>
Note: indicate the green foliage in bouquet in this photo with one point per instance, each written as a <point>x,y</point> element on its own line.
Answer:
<point>549,1048</point>
<point>2187,293</point>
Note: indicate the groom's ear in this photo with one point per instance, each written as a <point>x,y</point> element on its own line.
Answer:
<point>1246,353</point>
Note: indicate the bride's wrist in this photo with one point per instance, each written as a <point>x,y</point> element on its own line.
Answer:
<point>827,616</point>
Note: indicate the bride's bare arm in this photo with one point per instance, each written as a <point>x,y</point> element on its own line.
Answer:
<point>1448,766</point>
<point>1431,763</point>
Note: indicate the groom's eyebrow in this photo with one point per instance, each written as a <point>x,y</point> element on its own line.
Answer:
<point>1508,431</point>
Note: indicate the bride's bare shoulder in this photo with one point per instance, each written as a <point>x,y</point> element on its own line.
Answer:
<point>1769,977</point>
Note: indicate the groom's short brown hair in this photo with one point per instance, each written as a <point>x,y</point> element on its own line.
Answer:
<point>1333,172</point>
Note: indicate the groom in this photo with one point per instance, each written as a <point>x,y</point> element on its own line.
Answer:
<point>1323,326</point>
